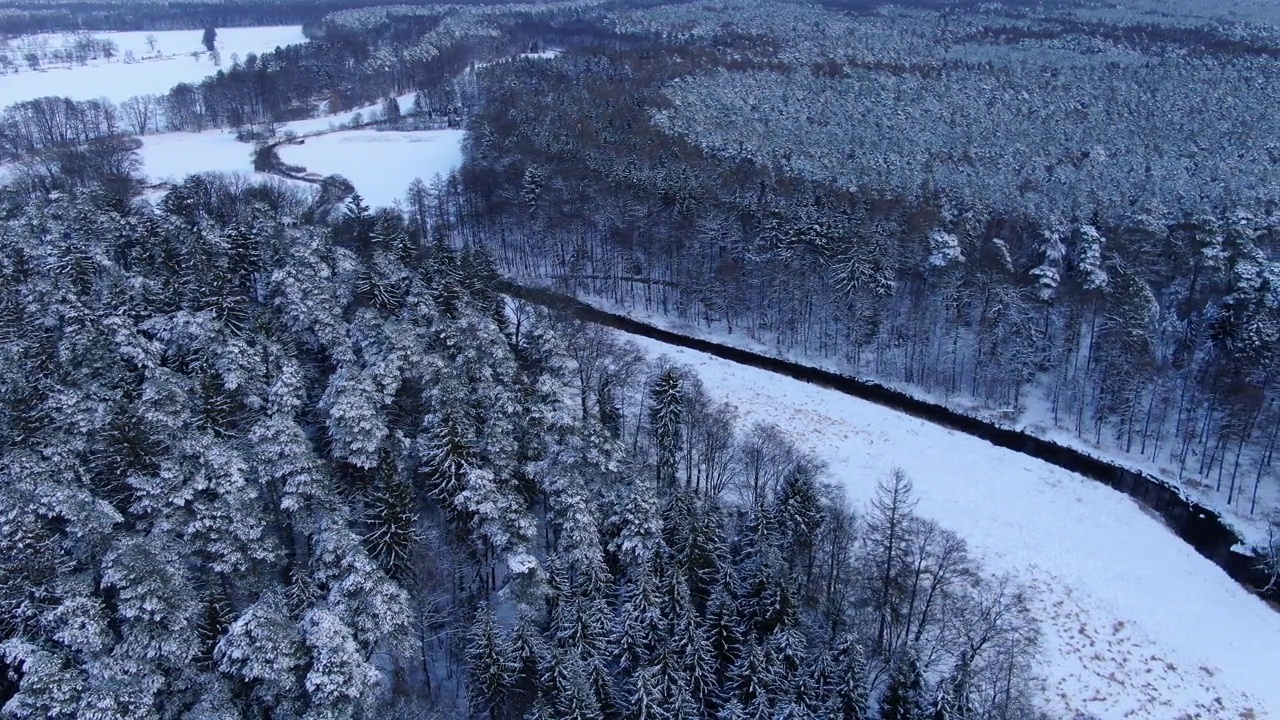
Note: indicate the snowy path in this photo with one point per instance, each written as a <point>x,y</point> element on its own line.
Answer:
<point>1137,625</point>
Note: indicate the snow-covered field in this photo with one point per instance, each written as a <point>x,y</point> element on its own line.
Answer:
<point>151,72</point>
<point>336,120</point>
<point>169,157</point>
<point>380,164</point>
<point>1137,625</point>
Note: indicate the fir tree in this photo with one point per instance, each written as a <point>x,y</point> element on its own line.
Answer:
<point>666,422</point>
<point>391,520</point>
<point>849,698</point>
<point>491,672</point>
<point>905,699</point>
<point>646,700</point>
<point>640,622</point>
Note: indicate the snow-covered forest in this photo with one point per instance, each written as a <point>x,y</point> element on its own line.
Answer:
<point>267,451</point>
<point>1057,222</point>
<point>260,461</point>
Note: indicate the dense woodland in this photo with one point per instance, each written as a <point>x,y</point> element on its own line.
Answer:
<point>669,170</point>
<point>265,457</point>
<point>271,454</point>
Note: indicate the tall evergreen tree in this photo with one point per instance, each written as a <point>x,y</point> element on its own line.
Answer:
<point>666,422</point>
<point>491,675</point>
<point>904,699</point>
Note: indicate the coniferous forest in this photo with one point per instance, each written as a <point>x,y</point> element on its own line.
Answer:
<point>269,459</point>
<point>269,453</point>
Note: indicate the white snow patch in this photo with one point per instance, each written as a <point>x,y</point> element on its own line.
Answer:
<point>337,120</point>
<point>1137,625</point>
<point>170,157</point>
<point>118,80</point>
<point>381,165</point>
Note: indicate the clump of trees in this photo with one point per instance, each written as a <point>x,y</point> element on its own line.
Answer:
<point>265,454</point>
<point>1148,328</point>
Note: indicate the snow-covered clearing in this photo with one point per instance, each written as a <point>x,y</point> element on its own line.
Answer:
<point>549,54</point>
<point>381,165</point>
<point>337,120</point>
<point>150,72</point>
<point>169,157</point>
<point>1136,624</point>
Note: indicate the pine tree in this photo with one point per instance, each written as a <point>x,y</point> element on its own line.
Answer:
<point>358,219</point>
<point>666,422</point>
<point>724,630</point>
<point>640,622</point>
<point>264,648</point>
<point>904,699</point>
<point>421,103</point>
<point>765,596</point>
<point>646,700</point>
<point>799,515</point>
<point>572,695</point>
<point>529,655</point>
<point>688,654</point>
<point>491,672</point>
<point>391,520</point>
<point>850,697</point>
<point>390,109</point>
<point>954,699</point>
<point>753,681</point>
<point>531,187</point>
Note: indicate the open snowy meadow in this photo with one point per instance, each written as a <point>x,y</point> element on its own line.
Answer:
<point>1136,624</point>
<point>381,165</point>
<point>151,71</point>
<point>169,157</point>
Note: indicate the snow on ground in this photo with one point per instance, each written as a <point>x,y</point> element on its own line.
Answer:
<point>1137,625</point>
<point>544,55</point>
<point>118,80</point>
<point>169,157</point>
<point>1035,419</point>
<point>336,120</point>
<point>381,165</point>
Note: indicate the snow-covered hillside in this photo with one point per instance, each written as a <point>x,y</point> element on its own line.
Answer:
<point>1137,625</point>
<point>151,71</point>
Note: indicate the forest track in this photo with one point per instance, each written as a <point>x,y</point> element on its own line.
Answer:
<point>1198,526</point>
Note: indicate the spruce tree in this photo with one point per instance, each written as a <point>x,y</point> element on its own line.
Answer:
<point>850,696</point>
<point>645,697</point>
<point>640,622</point>
<point>666,423</point>
<point>391,518</point>
<point>905,699</point>
<point>491,675</point>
